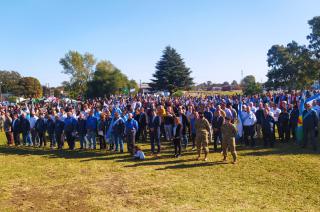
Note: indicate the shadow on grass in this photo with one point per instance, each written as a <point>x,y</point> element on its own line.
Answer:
<point>192,165</point>
<point>282,149</point>
<point>67,154</point>
<point>156,162</point>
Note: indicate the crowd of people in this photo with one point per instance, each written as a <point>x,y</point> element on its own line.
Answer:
<point>186,122</point>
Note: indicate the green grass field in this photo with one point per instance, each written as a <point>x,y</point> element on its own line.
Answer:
<point>285,178</point>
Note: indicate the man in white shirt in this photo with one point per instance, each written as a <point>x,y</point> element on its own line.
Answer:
<point>248,120</point>
<point>33,120</point>
<point>276,112</point>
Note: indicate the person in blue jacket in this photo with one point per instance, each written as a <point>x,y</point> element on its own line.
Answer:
<point>70,127</point>
<point>91,126</point>
<point>58,131</point>
<point>118,130</point>
<point>131,130</point>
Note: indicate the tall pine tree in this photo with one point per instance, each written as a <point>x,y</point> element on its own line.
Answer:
<point>171,73</point>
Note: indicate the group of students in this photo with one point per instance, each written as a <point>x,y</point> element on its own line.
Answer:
<point>124,119</point>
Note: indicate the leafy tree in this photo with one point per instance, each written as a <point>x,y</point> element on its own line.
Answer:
<point>171,73</point>
<point>108,80</point>
<point>80,68</point>
<point>29,87</point>
<point>225,83</point>
<point>250,79</point>
<point>9,80</point>
<point>234,83</point>
<point>250,86</point>
<point>292,67</point>
<point>314,37</point>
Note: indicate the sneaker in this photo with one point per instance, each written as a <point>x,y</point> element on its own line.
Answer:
<point>178,155</point>
<point>205,159</point>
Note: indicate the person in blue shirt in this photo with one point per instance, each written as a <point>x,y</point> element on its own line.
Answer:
<point>131,130</point>
<point>118,130</point>
<point>70,127</point>
<point>58,131</point>
<point>91,125</point>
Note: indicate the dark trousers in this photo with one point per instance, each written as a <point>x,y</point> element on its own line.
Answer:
<point>34,137</point>
<point>155,138</point>
<point>268,138</point>
<point>248,131</point>
<point>284,132</point>
<point>16,138</point>
<point>177,146</point>
<point>42,138</point>
<point>9,136</point>
<point>143,133</point>
<point>131,141</point>
<point>293,130</point>
<point>59,140</point>
<point>102,141</point>
<point>309,135</point>
<point>51,139</point>
<point>217,135</point>
<point>193,139</point>
<point>70,140</point>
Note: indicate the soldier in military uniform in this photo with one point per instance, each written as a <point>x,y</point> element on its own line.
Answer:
<point>203,134</point>
<point>229,133</point>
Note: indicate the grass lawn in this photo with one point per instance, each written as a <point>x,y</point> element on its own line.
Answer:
<point>285,178</point>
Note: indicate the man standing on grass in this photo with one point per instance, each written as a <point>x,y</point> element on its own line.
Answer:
<point>203,135</point>
<point>25,129</point>
<point>70,127</point>
<point>229,132</point>
<point>41,128</point>
<point>131,130</point>
<point>58,131</point>
<point>91,126</point>
<point>8,129</point>
<point>16,129</point>
<point>310,126</point>
<point>33,119</point>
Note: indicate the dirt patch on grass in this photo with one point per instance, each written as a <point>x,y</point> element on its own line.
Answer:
<point>69,197</point>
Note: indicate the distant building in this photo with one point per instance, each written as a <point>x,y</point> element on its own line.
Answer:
<point>144,88</point>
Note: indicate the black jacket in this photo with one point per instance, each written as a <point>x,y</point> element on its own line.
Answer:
<point>24,125</point>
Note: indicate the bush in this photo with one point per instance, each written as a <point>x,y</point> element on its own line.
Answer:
<point>178,93</point>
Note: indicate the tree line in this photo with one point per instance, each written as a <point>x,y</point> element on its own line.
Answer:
<point>15,84</point>
<point>294,66</point>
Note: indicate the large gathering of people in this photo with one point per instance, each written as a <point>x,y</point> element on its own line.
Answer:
<point>188,123</point>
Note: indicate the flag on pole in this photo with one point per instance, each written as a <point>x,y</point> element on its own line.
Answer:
<point>239,124</point>
<point>299,130</point>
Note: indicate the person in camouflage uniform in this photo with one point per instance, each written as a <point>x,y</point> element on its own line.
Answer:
<point>229,132</point>
<point>203,134</point>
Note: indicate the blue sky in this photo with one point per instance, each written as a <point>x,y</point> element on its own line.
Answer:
<point>217,39</point>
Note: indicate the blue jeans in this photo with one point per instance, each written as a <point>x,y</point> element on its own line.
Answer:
<point>168,131</point>
<point>118,141</point>
<point>185,141</point>
<point>27,138</point>
<point>91,136</point>
<point>83,141</point>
